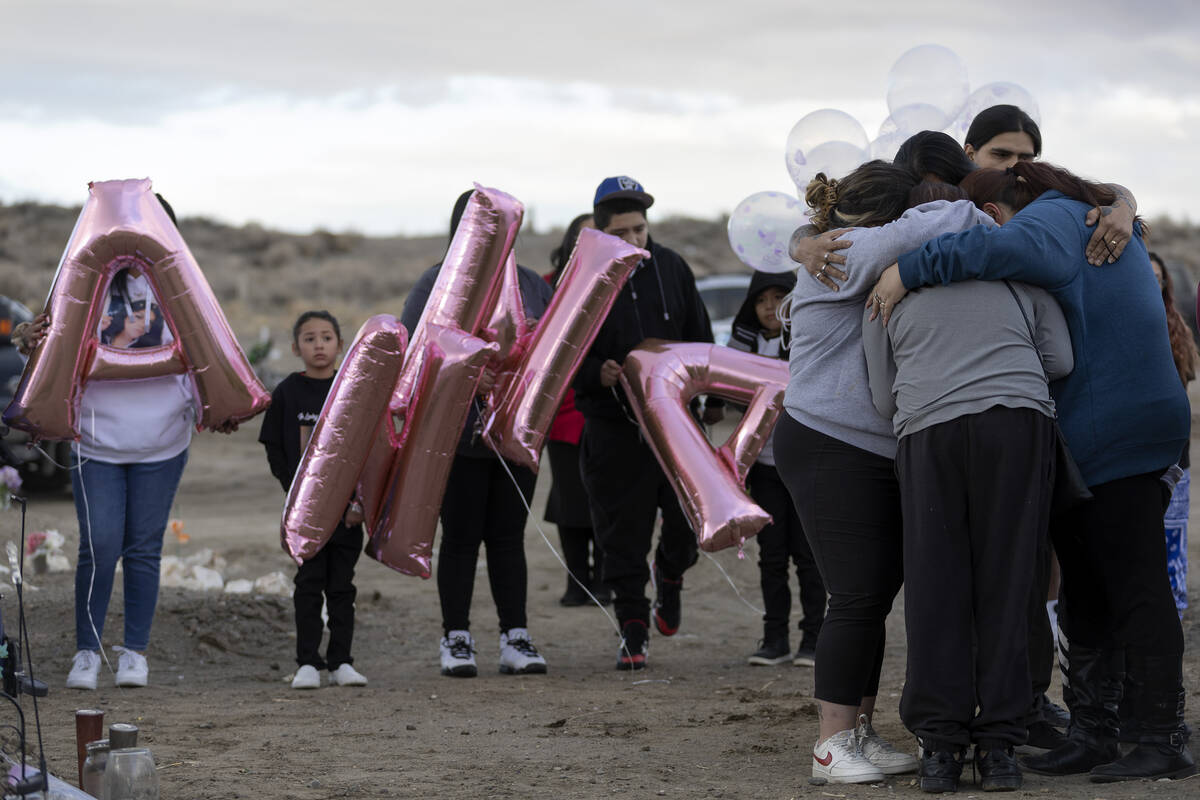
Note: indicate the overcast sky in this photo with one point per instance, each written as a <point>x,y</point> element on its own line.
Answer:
<point>374,116</point>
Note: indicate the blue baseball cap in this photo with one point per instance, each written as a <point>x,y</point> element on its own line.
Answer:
<point>622,187</point>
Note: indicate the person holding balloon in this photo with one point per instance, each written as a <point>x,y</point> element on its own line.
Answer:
<point>625,483</point>
<point>486,502</point>
<point>127,465</point>
<point>327,578</point>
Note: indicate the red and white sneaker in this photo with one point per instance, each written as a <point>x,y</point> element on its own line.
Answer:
<point>839,759</point>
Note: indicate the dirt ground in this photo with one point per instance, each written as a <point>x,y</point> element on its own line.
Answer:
<point>223,723</point>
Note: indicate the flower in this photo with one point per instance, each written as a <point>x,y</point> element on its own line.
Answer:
<point>34,542</point>
<point>10,478</point>
<point>177,531</point>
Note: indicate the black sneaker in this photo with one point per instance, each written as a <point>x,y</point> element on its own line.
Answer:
<point>940,769</point>
<point>574,596</point>
<point>635,645</point>
<point>668,608</point>
<point>997,767</point>
<point>1055,714</point>
<point>1042,737</point>
<point>771,652</point>
<point>806,653</point>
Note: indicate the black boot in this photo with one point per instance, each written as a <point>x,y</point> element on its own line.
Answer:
<point>1095,678</point>
<point>1156,705</point>
<point>575,553</point>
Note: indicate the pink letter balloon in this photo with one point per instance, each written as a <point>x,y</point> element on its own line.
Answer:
<point>465,294</point>
<point>123,225</point>
<point>660,379</point>
<point>407,517</point>
<point>355,415</point>
<point>528,393</point>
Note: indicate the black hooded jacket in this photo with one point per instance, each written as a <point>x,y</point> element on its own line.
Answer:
<point>746,327</point>
<point>659,301</point>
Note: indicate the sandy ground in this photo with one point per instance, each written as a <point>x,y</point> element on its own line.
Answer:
<point>223,723</point>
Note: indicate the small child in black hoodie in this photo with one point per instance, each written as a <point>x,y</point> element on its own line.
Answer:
<point>327,577</point>
<point>758,329</point>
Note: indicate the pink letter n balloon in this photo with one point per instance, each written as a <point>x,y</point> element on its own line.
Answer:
<point>660,379</point>
<point>123,225</point>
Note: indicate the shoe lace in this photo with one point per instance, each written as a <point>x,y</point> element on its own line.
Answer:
<point>460,647</point>
<point>861,733</point>
<point>523,646</point>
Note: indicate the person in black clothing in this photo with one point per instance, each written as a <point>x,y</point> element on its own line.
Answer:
<point>758,329</point>
<point>483,506</point>
<point>625,484</point>
<point>295,406</point>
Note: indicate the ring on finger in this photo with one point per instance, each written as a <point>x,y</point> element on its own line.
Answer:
<point>821,271</point>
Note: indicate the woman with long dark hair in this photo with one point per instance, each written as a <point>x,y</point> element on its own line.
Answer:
<point>1125,416</point>
<point>836,456</point>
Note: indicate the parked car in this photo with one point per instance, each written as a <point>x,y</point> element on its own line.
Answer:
<point>42,468</point>
<point>723,295</point>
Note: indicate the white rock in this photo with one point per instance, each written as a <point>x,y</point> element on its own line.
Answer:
<point>208,579</point>
<point>275,583</point>
<point>239,586</point>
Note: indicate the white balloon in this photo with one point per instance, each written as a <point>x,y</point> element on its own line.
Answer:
<point>824,141</point>
<point>928,75</point>
<point>760,228</point>
<point>993,94</point>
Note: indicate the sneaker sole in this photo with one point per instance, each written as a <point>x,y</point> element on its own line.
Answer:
<point>1008,784</point>
<point>662,626</point>
<point>898,769</point>
<point>627,665</point>
<point>819,779</point>
<point>134,683</point>
<point>89,687</point>
<point>939,785</point>
<point>804,661</point>
<point>532,669</point>
<point>760,661</point>
<point>460,672</point>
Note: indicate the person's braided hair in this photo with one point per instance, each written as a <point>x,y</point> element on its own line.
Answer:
<point>822,197</point>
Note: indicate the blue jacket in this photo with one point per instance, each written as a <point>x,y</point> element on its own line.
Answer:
<point>1123,410</point>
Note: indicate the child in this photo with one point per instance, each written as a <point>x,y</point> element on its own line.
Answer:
<point>758,329</point>
<point>295,405</point>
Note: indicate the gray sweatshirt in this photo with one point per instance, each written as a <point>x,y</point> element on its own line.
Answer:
<point>962,348</point>
<point>828,389</point>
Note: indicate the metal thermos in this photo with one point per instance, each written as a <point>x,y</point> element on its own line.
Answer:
<point>89,726</point>
<point>122,735</point>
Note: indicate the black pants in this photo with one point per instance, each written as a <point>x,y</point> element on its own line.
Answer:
<point>627,488</point>
<point>482,505</point>
<point>779,543</point>
<point>1112,550</point>
<point>976,494</point>
<point>329,573</point>
<point>1041,637</point>
<point>849,504</point>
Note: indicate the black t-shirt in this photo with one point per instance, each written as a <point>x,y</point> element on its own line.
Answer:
<point>295,404</point>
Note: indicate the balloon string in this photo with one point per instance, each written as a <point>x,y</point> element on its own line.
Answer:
<point>729,580</point>
<point>546,539</point>
<point>87,515</point>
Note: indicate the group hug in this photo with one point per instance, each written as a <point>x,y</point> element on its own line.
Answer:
<point>986,397</point>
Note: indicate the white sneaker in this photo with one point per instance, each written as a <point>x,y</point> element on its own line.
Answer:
<point>132,669</point>
<point>518,656</point>
<point>458,655</point>
<point>307,677</point>
<point>84,670</point>
<point>880,752</point>
<point>838,759</point>
<point>346,675</point>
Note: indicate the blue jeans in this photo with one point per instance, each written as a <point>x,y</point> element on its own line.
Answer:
<point>122,510</point>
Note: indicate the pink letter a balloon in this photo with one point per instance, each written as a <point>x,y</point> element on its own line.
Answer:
<point>123,225</point>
